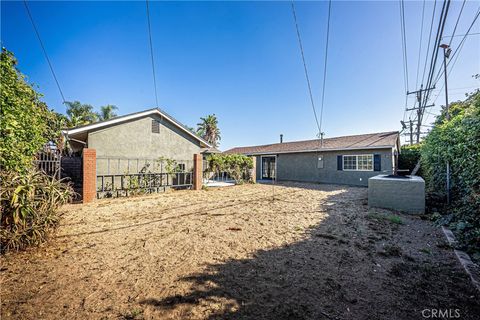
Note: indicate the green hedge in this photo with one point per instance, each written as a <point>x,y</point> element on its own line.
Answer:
<point>409,156</point>
<point>24,128</point>
<point>458,142</point>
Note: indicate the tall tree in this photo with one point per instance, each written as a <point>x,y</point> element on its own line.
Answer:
<point>24,118</point>
<point>107,112</point>
<point>208,129</point>
<point>80,114</point>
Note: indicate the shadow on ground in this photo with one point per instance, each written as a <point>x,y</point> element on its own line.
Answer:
<point>353,265</point>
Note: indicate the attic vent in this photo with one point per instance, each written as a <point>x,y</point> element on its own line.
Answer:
<point>155,126</point>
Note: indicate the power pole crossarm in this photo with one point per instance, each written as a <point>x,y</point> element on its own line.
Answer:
<point>429,106</point>
<point>421,90</point>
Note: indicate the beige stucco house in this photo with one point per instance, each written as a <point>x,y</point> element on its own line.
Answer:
<point>127,143</point>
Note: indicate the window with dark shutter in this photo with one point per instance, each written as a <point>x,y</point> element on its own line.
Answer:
<point>155,126</point>
<point>339,163</point>
<point>377,162</point>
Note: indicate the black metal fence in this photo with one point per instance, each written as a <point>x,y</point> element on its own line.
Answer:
<point>121,177</point>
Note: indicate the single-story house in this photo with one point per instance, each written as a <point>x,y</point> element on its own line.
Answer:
<point>350,160</point>
<point>127,143</point>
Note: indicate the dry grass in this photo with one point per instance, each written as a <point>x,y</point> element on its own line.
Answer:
<point>299,251</point>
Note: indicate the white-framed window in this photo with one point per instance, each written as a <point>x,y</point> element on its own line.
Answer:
<point>349,162</point>
<point>363,162</point>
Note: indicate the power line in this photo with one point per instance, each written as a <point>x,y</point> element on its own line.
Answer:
<point>151,53</point>
<point>44,50</point>
<point>429,40</point>
<point>459,48</point>
<point>325,64</point>
<point>461,35</point>
<point>404,44</point>
<point>433,62</point>
<point>420,45</point>
<point>424,93</point>
<point>305,67</point>
<point>424,65</point>
<point>456,23</point>
<point>450,71</point>
<point>404,53</point>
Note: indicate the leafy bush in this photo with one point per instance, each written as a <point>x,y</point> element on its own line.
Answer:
<point>236,165</point>
<point>24,127</point>
<point>29,203</point>
<point>409,156</point>
<point>171,166</point>
<point>458,142</point>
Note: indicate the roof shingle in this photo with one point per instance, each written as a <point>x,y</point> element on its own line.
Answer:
<point>363,141</point>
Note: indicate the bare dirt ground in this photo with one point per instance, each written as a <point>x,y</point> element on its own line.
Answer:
<point>311,252</point>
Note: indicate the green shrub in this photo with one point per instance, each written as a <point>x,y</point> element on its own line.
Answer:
<point>409,157</point>
<point>458,142</point>
<point>237,166</point>
<point>24,128</point>
<point>29,203</point>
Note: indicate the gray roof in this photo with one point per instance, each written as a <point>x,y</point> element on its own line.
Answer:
<point>362,141</point>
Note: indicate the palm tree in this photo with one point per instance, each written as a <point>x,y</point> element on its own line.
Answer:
<point>80,114</point>
<point>107,112</point>
<point>208,129</point>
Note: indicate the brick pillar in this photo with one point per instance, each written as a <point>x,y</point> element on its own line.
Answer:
<point>253,173</point>
<point>197,171</point>
<point>89,175</point>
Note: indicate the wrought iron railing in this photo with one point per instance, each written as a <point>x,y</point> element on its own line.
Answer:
<point>118,185</point>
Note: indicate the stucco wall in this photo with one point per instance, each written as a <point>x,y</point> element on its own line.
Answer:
<point>406,195</point>
<point>303,167</point>
<point>135,140</point>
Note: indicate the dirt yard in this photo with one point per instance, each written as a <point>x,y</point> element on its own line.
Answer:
<point>298,251</point>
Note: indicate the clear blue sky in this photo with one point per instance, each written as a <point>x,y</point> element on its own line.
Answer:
<point>239,60</point>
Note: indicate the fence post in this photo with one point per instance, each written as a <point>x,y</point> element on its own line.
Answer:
<point>253,173</point>
<point>197,171</point>
<point>89,175</point>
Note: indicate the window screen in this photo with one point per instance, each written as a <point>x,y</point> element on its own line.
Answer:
<point>365,162</point>
<point>349,162</point>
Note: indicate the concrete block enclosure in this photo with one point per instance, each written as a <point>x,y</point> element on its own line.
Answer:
<point>405,194</point>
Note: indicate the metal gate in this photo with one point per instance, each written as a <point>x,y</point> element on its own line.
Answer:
<point>49,162</point>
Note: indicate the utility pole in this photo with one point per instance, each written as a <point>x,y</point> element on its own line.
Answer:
<point>420,109</point>
<point>419,113</point>
<point>446,54</point>
<point>411,132</point>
